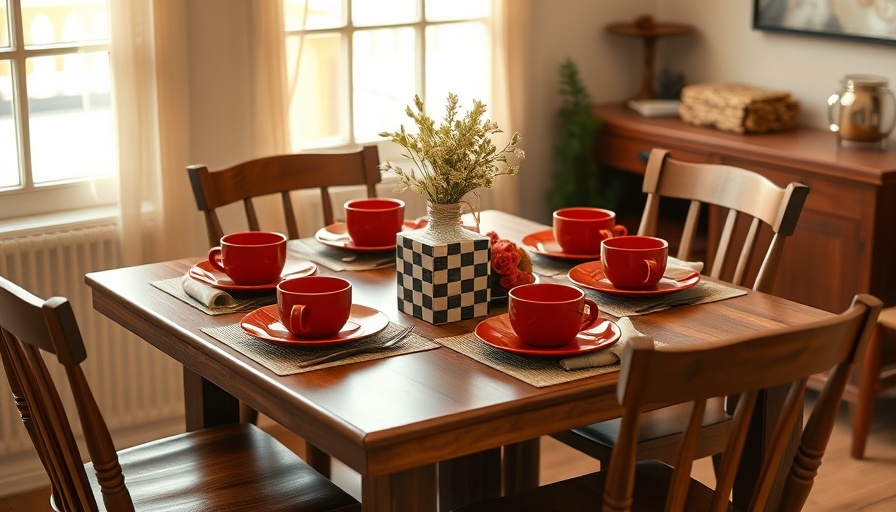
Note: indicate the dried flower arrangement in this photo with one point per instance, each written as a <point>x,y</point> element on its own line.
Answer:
<point>455,158</point>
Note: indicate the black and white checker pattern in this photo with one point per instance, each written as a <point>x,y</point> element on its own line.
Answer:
<point>443,282</point>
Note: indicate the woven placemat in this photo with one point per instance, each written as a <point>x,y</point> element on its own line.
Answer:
<point>538,372</point>
<point>619,306</point>
<point>284,360</point>
<point>340,259</point>
<point>546,266</point>
<point>242,302</point>
<point>702,293</point>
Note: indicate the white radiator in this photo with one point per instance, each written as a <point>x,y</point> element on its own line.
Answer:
<point>137,387</point>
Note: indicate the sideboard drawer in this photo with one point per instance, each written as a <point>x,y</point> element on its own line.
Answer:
<point>630,154</point>
<point>835,198</point>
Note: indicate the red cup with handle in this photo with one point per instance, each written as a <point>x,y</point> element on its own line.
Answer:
<point>374,222</point>
<point>548,314</point>
<point>250,257</point>
<point>634,262</point>
<point>580,230</point>
<point>314,306</point>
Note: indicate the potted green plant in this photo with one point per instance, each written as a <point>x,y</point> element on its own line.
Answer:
<point>578,179</point>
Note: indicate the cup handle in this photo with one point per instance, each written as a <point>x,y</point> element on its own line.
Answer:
<point>834,112</point>
<point>590,318</point>
<point>618,230</point>
<point>297,323</point>
<point>653,268</point>
<point>214,259</point>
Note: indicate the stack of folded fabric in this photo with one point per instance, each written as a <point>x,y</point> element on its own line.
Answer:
<point>738,107</point>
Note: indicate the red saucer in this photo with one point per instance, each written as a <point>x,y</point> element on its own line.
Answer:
<point>264,323</point>
<point>591,275</point>
<point>497,332</point>
<point>336,235</point>
<point>543,242</point>
<point>206,273</point>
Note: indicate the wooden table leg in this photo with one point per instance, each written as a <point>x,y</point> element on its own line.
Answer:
<point>410,490</point>
<point>207,405</point>
<point>520,466</point>
<point>469,479</point>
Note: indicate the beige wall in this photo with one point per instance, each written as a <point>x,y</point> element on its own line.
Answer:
<point>728,49</point>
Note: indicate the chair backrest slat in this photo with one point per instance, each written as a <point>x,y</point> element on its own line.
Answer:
<point>281,175</point>
<point>655,376</point>
<point>743,193</point>
<point>292,226</point>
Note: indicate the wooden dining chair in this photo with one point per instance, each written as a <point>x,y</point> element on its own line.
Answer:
<point>231,467</point>
<point>281,175</point>
<point>743,366</point>
<point>745,195</point>
<point>874,373</point>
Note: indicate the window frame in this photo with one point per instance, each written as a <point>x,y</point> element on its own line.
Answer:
<point>387,149</point>
<point>28,199</point>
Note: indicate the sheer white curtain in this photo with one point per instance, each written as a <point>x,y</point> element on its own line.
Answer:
<point>158,218</point>
<point>271,98</point>
<point>149,71</point>
<point>511,19</point>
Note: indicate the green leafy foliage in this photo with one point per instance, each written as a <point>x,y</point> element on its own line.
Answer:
<point>578,179</point>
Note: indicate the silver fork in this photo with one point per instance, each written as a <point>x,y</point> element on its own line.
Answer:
<point>397,337</point>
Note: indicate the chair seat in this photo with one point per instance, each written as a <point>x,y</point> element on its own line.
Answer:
<point>659,431</point>
<point>585,494</point>
<point>232,467</point>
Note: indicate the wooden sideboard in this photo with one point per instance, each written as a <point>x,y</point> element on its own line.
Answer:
<point>845,241</point>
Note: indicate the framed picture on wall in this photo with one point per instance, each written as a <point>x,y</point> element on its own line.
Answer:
<point>860,20</point>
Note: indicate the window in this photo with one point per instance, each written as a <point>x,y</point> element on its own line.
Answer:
<point>354,65</point>
<point>57,124</point>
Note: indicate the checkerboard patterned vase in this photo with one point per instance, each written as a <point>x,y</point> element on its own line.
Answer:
<point>441,280</point>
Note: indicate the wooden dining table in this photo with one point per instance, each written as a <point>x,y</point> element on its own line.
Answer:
<point>421,428</point>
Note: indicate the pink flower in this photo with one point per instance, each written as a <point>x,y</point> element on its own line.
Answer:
<point>507,259</point>
<point>516,278</point>
<point>503,262</point>
<point>507,281</point>
<point>505,246</point>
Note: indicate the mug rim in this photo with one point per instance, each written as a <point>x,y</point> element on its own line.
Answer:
<point>356,204</point>
<point>560,213</point>
<point>610,244</point>
<point>346,285</point>
<point>280,238</point>
<point>524,287</point>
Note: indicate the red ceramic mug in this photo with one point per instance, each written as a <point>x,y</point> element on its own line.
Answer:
<point>250,257</point>
<point>580,230</point>
<point>634,262</point>
<point>374,222</point>
<point>549,315</point>
<point>314,306</point>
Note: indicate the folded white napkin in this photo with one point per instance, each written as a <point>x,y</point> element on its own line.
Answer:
<point>605,357</point>
<point>679,269</point>
<point>208,295</point>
